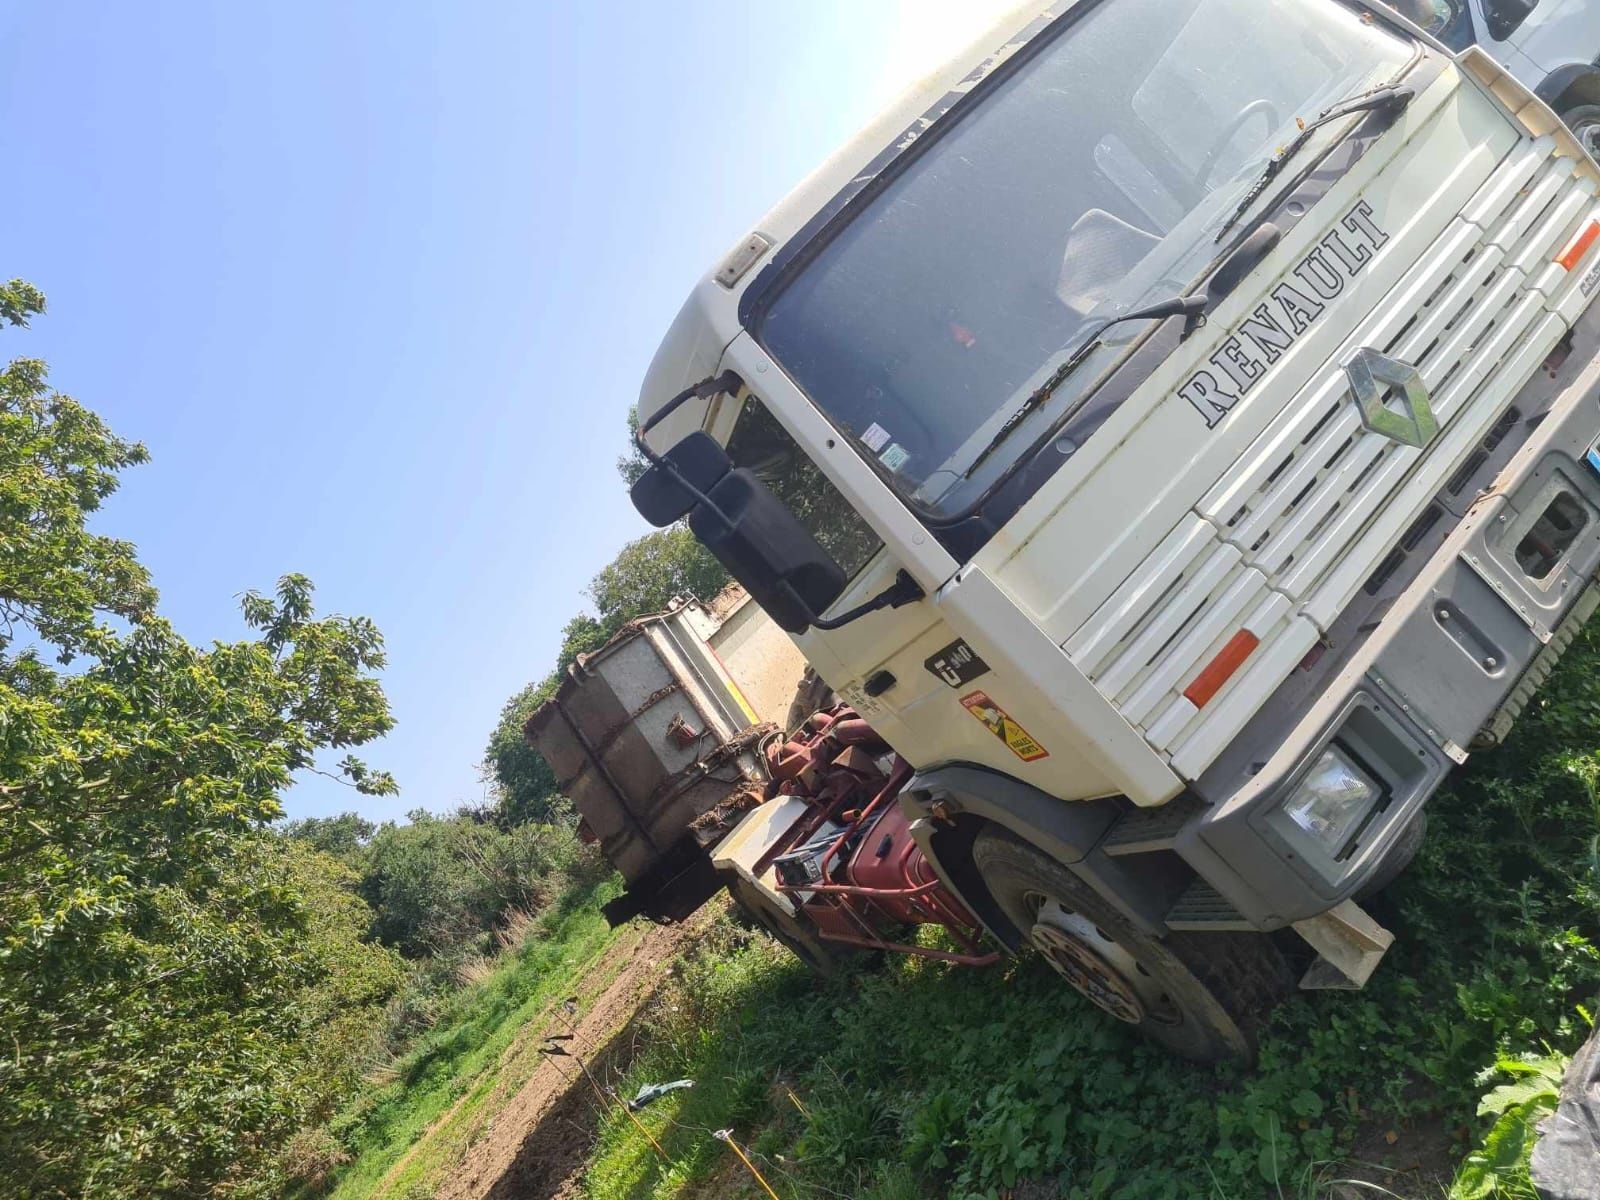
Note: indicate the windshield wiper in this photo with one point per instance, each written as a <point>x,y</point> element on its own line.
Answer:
<point>1382,98</point>
<point>1192,307</point>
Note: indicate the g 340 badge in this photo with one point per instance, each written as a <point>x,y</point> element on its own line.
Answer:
<point>956,664</point>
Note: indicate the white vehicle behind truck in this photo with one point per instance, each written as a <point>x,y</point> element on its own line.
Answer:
<point>1550,46</point>
<point>1171,430</point>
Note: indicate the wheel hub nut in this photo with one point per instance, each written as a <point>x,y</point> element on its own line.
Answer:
<point>1088,973</point>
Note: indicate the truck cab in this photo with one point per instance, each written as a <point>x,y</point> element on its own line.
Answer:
<point>1172,427</point>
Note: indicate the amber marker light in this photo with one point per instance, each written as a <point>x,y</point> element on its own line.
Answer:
<point>1573,254</point>
<point>1221,668</point>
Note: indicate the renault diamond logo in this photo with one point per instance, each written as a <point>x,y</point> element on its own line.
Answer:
<point>1372,376</point>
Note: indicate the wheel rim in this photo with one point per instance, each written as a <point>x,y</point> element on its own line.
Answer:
<point>1588,134</point>
<point>1097,966</point>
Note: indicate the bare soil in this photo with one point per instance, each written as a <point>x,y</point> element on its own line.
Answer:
<point>1415,1160</point>
<point>536,1146</point>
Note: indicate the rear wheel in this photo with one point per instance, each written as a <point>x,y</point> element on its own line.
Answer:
<point>796,933</point>
<point>1198,994</point>
<point>1584,121</point>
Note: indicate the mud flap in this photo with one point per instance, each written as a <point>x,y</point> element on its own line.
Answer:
<point>1349,946</point>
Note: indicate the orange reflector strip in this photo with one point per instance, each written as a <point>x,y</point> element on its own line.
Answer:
<point>1221,668</point>
<point>1573,255</point>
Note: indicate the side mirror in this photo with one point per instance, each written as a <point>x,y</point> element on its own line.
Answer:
<point>752,533</point>
<point>660,494</point>
<point>749,530</point>
<point>1505,17</point>
<point>767,549</point>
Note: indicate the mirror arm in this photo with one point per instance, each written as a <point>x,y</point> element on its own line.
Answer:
<point>728,382</point>
<point>904,590</point>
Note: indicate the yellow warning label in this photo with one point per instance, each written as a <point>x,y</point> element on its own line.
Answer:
<point>1000,723</point>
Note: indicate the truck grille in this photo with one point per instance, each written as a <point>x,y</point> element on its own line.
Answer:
<point>1280,546</point>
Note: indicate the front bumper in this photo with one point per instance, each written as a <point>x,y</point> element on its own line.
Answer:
<point>1437,662</point>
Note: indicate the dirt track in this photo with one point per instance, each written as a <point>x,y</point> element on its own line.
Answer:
<point>536,1144</point>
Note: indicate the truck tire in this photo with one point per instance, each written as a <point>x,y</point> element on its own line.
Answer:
<point>1400,856</point>
<point>1198,994</point>
<point>1584,121</point>
<point>795,933</point>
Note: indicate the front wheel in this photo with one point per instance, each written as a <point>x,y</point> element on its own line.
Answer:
<point>1198,994</point>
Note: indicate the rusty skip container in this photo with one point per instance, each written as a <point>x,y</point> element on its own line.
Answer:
<point>652,731</point>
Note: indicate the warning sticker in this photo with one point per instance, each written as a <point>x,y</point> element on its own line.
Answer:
<point>875,438</point>
<point>1000,723</point>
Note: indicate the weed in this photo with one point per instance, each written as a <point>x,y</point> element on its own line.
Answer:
<point>457,1056</point>
<point>1499,1168</point>
<point>922,1079</point>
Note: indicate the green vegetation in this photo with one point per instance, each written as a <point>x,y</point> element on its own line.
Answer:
<point>190,994</point>
<point>451,1080</point>
<point>170,1003</point>
<point>436,884</point>
<point>1500,1167</point>
<point>919,1079</point>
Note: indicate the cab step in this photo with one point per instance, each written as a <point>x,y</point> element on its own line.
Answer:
<point>1202,909</point>
<point>1145,830</point>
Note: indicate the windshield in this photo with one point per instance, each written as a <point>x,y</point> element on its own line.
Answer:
<point>1087,183</point>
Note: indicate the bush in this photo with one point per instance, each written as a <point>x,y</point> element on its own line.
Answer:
<point>440,885</point>
<point>311,1157</point>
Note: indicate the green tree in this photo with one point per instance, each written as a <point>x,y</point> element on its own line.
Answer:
<point>438,884</point>
<point>630,463</point>
<point>413,882</point>
<point>349,979</point>
<point>649,572</point>
<point>154,956</point>
<point>58,461</point>
<point>342,836</point>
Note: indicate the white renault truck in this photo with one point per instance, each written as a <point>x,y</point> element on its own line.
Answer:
<point>1172,428</point>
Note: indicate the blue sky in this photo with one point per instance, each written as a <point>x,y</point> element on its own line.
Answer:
<point>376,284</point>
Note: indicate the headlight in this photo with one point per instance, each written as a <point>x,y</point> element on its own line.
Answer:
<point>1332,800</point>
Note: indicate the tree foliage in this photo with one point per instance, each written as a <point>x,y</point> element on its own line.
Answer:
<point>437,884</point>
<point>630,463</point>
<point>342,836</point>
<point>58,462</point>
<point>156,954</point>
<point>649,572</point>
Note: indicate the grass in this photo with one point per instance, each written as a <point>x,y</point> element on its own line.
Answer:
<point>453,1079</point>
<point>922,1080</point>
